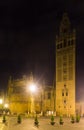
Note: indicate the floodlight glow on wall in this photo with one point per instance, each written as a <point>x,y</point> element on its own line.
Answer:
<point>1,101</point>
<point>6,105</point>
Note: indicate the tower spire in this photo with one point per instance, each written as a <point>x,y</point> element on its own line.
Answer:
<point>65,25</point>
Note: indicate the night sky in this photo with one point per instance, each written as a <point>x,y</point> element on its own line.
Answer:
<point>27,39</point>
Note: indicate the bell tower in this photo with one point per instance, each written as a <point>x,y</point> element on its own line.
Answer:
<point>65,68</point>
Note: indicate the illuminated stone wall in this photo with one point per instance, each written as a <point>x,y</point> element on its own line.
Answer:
<point>17,95</point>
<point>23,101</point>
<point>65,69</point>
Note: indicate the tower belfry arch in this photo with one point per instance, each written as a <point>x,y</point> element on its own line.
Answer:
<point>65,25</point>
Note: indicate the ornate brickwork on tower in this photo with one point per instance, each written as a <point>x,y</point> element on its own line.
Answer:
<point>65,69</point>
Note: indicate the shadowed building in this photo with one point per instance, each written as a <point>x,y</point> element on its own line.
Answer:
<point>65,69</point>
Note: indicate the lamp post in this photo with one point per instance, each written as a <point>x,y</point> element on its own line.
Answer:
<point>1,106</point>
<point>41,104</point>
<point>1,101</point>
<point>6,105</point>
<point>32,89</point>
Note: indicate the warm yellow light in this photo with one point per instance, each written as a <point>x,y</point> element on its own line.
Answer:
<point>1,101</point>
<point>6,105</point>
<point>32,87</point>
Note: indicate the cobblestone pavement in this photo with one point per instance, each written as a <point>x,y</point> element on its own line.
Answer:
<point>1,124</point>
<point>44,124</point>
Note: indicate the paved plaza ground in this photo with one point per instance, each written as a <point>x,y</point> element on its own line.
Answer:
<point>44,124</point>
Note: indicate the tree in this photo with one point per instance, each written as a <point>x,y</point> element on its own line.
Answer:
<point>52,120</point>
<point>77,118</point>
<point>61,120</point>
<point>72,119</point>
<point>4,119</point>
<point>36,122</point>
<point>19,119</point>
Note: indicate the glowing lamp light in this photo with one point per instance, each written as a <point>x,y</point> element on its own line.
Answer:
<point>6,105</point>
<point>32,87</point>
<point>1,101</point>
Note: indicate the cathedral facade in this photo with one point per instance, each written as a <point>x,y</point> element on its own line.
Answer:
<point>22,98</point>
<point>59,99</point>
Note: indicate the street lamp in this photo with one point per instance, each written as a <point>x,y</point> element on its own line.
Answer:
<point>32,89</point>
<point>1,101</point>
<point>6,105</point>
<point>1,106</point>
<point>6,111</point>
